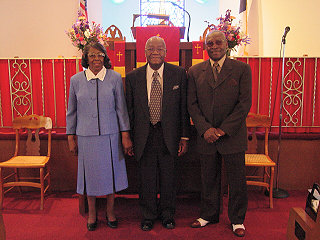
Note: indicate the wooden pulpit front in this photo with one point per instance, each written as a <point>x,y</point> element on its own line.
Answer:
<point>170,34</point>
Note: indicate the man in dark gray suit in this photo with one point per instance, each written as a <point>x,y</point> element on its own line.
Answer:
<point>160,129</point>
<point>219,99</point>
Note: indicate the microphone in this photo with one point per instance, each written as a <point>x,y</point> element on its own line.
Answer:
<point>176,5</point>
<point>286,30</point>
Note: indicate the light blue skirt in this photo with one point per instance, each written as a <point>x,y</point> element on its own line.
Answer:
<point>101,165</point>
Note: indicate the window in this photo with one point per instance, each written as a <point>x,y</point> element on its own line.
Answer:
<point>173,8</point>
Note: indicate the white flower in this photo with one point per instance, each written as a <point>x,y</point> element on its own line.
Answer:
<point>87,33</point>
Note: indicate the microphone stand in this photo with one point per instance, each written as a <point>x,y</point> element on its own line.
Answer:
<point>278,192</point>
<point>188,16</point>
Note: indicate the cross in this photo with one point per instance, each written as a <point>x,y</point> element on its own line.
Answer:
<point>119,55</point>
<point>197,47</point>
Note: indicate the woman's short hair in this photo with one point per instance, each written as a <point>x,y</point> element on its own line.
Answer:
<point>98,46</point>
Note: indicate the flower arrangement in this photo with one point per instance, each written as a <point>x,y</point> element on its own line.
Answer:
<point>233,34</point>
<point>82,33</point>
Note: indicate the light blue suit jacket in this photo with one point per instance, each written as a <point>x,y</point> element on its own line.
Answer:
<point>88,117</point>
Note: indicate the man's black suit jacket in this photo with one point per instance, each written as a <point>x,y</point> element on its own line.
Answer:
<point>175,119</point>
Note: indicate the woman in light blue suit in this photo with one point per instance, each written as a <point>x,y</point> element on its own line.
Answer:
<point>97,128</point>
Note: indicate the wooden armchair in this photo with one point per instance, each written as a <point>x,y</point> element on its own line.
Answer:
<point>205,32</point>
<point>259,161</point>
<point>302,226</point>
<point>30,159</point>
<point>305,224</point>
<point>114,34</point>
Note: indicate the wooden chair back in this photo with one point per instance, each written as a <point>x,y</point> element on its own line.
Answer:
<point>254,121</point>
<point>32,123</point>
<point>114,34</point>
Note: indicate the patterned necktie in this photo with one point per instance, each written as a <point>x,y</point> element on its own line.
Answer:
<point>215,71</point>
<point>155,99</point>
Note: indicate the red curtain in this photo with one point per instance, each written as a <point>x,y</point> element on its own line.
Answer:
<point>300,109</point>
<point>41,86</point>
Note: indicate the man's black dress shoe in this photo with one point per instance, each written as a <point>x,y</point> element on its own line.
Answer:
<point>146,225</point>
<point>112,224</point>
<point>168,223</point>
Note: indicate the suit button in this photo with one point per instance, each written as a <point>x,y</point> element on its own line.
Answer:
<point>93,98</point>
<point>94,115</point>
<point>215,94</point>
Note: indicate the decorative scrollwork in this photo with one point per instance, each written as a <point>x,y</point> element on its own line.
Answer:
<point>292,91</point>
<point>21,89</point>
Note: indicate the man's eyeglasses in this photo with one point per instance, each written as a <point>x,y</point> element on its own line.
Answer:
<point>211,43</point>
<point>152,50</point>
<point>99,55</point>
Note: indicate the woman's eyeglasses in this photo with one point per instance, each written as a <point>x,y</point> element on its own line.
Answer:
<point>99,55</point>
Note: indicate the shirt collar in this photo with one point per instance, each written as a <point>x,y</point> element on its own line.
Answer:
<point>150,71</point>
<point>90,75</point>
<point>221,61</point>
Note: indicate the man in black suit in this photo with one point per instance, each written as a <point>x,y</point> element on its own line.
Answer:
<point>160,123</point>
<point>219,99</point>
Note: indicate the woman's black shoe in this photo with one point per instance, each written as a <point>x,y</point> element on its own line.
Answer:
<point>112,224</point>
<point>92,226</point>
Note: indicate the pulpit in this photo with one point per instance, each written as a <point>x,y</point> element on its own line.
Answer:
<point>170,34</point>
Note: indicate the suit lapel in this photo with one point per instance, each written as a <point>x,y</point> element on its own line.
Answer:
<point>142,89</point>
<point>208,73</point>
<point>168,83</point>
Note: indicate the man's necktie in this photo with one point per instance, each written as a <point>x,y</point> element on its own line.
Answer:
<point>155,99</point>
<point>215,69</point>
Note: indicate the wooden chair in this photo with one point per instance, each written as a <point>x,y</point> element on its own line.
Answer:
<point>205,32</point>
<point>259,161</point>
<point>114,34</point>
<point>30,159</point>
